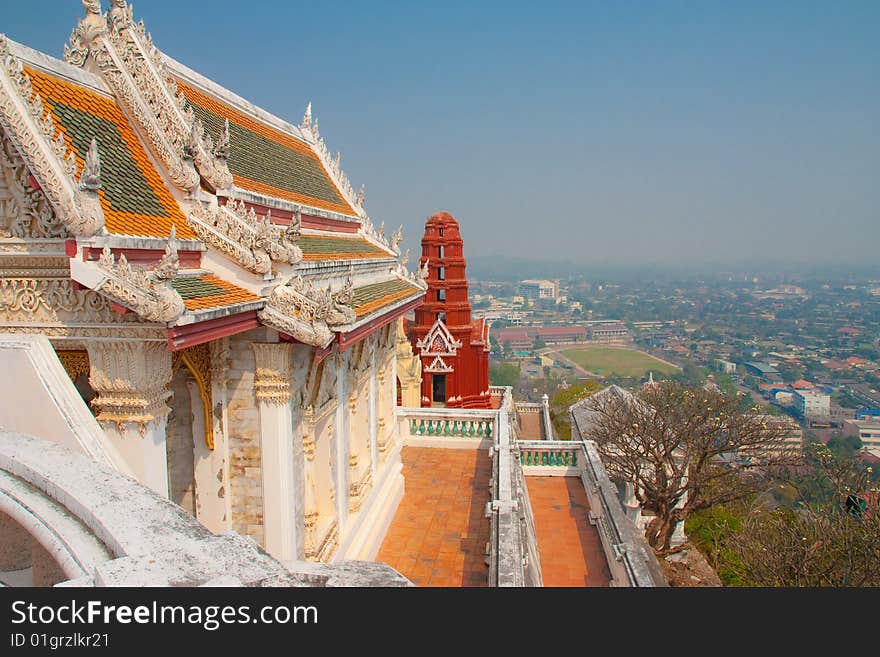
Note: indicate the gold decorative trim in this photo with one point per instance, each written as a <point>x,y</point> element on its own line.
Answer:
<point>198,361</point>
<point>75,362</point>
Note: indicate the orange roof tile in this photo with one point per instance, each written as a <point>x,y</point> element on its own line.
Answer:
<point>134,197</point>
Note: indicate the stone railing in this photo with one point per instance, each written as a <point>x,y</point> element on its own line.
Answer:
<point>528,407</point>
<point>631,560</point>
<point>629,557</point>
<point>538,457</point>
<point>447,427</point>
<point>513,549</point>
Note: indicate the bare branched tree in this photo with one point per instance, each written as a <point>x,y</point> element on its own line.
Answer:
<point>832,541</point>
<point>685,449</point>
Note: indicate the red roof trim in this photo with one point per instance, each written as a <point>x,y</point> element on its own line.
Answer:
<point>190,335</point>
<point>284,217</point>
<point>346,340</point>
<point>188,259</point>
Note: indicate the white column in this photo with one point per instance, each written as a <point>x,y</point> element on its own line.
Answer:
<point>272,388</point>
<point>341,438</point>
<point>131,381</point>
<point>220,417</point>
<point>375,387</point>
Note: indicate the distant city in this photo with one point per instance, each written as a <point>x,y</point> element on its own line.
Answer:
<point>800,345</point>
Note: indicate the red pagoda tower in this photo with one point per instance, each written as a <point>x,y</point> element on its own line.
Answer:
<point>453,349</point>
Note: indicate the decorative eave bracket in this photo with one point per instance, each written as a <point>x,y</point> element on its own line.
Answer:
<point>252,242</point>
<point>309,314</point>
<point>148,294</point>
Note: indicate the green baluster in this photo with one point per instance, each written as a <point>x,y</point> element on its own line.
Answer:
<point>480,429</point>
<point>430,427</point>
<point>574,458</point>
<point>413,427</point>
<point>488,429</point>
<point>543,458</point>
<point>522,458</point>
<point>446,427</point>
<point>421,427</point>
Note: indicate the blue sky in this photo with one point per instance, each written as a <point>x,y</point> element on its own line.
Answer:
<point>601,132</point>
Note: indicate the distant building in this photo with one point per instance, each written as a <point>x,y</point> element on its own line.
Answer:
<point>617,332</point>
<point>792,441</point>
<point>785,397</point>
<point>524,337</point>
<point>811,404</point>
<point>539,289</point>
<point>725,366</point>
<point>869,433</point>
<point>764,370</point>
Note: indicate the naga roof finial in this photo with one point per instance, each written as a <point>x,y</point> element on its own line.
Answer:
<point>90,178</point>
<point>92,6</point>
<point>167,268</point>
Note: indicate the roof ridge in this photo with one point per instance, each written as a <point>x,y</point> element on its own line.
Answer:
<point>237,102</point>
<point>58,67</point>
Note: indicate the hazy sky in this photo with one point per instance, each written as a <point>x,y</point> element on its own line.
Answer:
<point>603,132</point>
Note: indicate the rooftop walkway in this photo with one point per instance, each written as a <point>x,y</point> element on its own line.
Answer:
<point>531,427</point>
<point>438,536</point>
<point>570,548</point>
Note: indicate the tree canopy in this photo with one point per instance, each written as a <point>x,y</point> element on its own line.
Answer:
<point>685,449</point>
<point>503,374</point>
<point>831,538</point>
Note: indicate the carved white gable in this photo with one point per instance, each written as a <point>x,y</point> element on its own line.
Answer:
<point>438,365</point>
<point>438,341</point>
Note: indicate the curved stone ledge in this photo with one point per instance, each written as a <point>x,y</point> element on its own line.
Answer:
<point>106,529</point>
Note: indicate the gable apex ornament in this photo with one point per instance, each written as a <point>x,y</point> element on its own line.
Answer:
<point>31,129</point>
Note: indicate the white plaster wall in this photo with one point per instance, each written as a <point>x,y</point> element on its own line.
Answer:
<point>40,400</point>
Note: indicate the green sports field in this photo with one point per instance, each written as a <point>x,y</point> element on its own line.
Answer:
<point>620,362</point>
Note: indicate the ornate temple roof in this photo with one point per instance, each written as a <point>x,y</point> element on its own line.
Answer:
<point>167,187</point>
<point>264,158</point>
<point>134,198</point>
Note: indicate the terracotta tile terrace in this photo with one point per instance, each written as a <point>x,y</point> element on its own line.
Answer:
<point>438,536</point>
<point>571,551</point>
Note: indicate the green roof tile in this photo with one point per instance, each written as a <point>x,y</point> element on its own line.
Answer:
<point>255,157</point>
<point>194,288</point>
<point>123,182</point>
<point>320,244</point>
